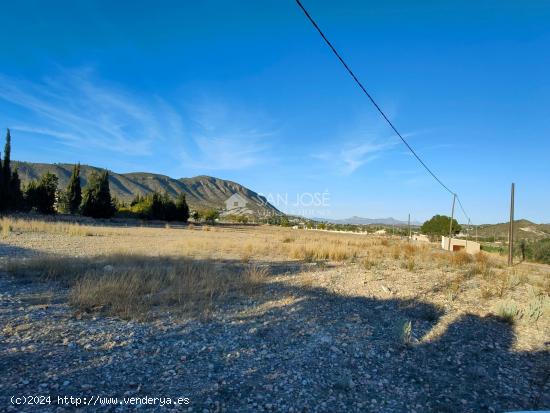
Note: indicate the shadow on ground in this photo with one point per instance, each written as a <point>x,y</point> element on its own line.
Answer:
<point>287,349</point>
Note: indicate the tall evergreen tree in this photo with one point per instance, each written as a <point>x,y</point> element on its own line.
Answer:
<point>182,209</point>
<point>5,175</point>
<point>41,195</point>
<point>74,191</point>
<point>16,195</point>
<point>2,195</point>
<point>96,200</point>
<point>7,155</point>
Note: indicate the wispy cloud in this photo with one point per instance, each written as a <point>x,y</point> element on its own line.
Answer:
<point>366,140</point>
<point>228,138</point>
<point>353,155</point>
<point>79,110</point>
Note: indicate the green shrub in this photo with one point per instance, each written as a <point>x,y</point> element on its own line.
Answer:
<point>97,201</point>
<point>209,215</point>
<point>41,195</point>
<point>161,207</point>
<point>539,251</point>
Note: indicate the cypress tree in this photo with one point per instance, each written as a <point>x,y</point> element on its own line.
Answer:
<point>16,195</point>
<point>2,195</point>
<point>182,209</point>
<point>96,200</point>
<point>74,191</point>
<point>6,174</point>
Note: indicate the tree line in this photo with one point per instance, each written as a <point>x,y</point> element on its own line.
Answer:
<point>94,200</point>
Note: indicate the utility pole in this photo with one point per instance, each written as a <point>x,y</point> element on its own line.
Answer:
<point>468,236</point>
<point>451,224</point>
<point>511,229</point>
<point>410,227</point>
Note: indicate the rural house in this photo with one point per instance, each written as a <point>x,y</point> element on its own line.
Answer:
<point>470,247</point>
<point>235,201</point>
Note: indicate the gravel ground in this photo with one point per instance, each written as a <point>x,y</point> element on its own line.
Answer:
<point>291,349</point>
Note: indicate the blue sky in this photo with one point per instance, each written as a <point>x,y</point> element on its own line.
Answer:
<point>247,91</point>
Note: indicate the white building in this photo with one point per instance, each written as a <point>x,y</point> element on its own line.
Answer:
<point>420,238</point>
<point>470,247</point>
<point>235,201</point>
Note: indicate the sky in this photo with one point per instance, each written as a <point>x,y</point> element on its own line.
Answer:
<point>248,91</point>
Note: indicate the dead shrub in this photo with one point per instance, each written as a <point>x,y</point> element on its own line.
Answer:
<point>408,264</point>
<point>368,264</point>
<point>135,292</point>
<point>314,252</point>
<point>396,252</point>
<point>410,250</point>
<point>253,277</point>
<point>48,225</point>
<point>131,286</point>
<point>460,258</point>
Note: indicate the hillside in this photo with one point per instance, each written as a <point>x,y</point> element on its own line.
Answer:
<point>523,229</point>
<point>368,221</point>
<point>201,191</point>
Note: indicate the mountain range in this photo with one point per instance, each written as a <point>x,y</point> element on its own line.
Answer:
<point>523,229</point>
<point>201,191</point>
<point>367,221</point>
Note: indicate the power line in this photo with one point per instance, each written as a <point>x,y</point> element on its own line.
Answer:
<point>378,107</point>
<point>462,208</point>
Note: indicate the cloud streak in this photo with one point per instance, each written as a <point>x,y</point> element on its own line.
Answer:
<point>347,159</point>
<point>80,111</point>
<point>228,138</point>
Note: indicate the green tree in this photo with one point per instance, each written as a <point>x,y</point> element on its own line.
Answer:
<point>96,200</point>
<point>210,215</point>
<point>5,175</point>
<point>6,167</point>
<point>439,225</point>
<point>154,206</point>
<point>2,195</point>
<point>11,197</point>
<point>41,195</point>
<point>16,195</point>
<point>182,209</point>
<point>74,191</point>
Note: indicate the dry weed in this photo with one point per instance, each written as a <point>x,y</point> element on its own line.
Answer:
<point>132,286</point>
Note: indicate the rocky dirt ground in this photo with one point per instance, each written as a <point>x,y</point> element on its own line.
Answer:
<point>318,338</point>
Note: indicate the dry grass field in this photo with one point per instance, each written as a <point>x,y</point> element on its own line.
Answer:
<point>196,272</point>
<point>131,271</point>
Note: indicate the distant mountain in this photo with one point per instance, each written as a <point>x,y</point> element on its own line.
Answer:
<point>201,191</point>
<point>523,229</point>
<point>367,221</point>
